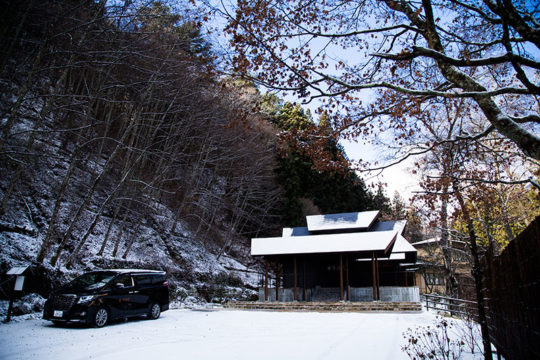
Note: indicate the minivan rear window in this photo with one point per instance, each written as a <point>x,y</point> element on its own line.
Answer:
<point>158,279</point>
<point>143,279</point>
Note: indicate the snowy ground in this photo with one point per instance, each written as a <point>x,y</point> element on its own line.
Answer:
<point>224,334</point>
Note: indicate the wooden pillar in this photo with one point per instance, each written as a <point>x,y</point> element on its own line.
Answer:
<point>265,281</point>
<point>374,273</point>
<point>295,298</point>
<point>10,306</point>
<point>378,279</point>
<point>341,277</point>
<point>347,278</point>
<point>304,278</point>
<point>277,282</point>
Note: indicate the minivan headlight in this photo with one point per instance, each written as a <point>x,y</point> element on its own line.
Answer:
<point>86,299</point>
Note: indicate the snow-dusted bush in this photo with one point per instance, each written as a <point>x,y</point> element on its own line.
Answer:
<point>227,287</point>
<point>180,294</point>
<point>469,332</point>
<point>230,279</point>
<point>182,297</point>
<point>433,342</point>
<point>3,309</point>
<point>28,304</point>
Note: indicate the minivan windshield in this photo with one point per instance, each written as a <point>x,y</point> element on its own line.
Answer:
<point>91,281</point>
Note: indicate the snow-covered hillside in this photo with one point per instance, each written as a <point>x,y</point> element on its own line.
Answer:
<point>194,270</point>
<point>197,267</point>
<point>118,152</point>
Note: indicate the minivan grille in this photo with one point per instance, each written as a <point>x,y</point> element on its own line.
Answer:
<point>64,302</point>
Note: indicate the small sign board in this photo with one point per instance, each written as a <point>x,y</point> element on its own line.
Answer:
<point>19,283</point>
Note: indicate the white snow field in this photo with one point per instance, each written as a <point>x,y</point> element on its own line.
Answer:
<point>224,334</point>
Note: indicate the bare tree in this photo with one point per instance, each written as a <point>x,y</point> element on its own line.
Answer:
<point>130,110</point>
<point>481,52</point>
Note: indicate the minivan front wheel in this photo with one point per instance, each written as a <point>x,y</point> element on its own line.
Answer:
<point>101,317</point>
<point>155,311</point>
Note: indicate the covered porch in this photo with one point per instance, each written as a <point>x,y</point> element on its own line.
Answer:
<point>337,277</point>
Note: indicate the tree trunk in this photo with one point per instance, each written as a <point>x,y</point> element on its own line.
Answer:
<point>451,283</point>
<point>46,241</point>
<point>89,196</point>
<point>109,228</point>
<point>477,275</point>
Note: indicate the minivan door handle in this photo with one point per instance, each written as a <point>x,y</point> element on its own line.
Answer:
<point>134,292</point>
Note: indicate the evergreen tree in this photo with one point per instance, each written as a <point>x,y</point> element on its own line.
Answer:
<point>399,208</point>
<point>330,190</point>
<point>382,203</point>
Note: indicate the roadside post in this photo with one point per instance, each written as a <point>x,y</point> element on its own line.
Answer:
<point>19,272</point>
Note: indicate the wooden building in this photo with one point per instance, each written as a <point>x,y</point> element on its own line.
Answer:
<point>350,256</point>
<point>430,277</point>
<point>432,273</point>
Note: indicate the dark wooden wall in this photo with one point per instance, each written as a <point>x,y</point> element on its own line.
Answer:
<point>513,285</point>
<point>323,270</point>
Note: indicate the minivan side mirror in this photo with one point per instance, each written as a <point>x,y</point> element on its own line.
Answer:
<point>119,286</point>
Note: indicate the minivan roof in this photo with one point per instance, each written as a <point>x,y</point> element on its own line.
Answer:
<point>122,271</point>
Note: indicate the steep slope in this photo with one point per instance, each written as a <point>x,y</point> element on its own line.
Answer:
<point>118,149</point>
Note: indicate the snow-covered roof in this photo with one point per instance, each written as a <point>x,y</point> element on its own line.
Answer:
<point>295,231</point>
<point>17,270</point>
<point>122,271</point>
<point>398,225</point>
<point>369,236</point>
<point>346,221</point>
<point>328,243</point>
<point>402,246</point>
<point>399,251</point>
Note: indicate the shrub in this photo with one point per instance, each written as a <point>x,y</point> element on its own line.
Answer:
<point>28,304</point>
<point>229,279</point>
<point>432,342</point>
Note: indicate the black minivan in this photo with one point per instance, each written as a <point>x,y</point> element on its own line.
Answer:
<point>97,297</point>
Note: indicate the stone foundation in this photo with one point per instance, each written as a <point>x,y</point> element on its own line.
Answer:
<point>372,306</point>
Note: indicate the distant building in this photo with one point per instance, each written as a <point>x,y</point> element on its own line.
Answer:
<point>432,274</point>
<point>350,256</point>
